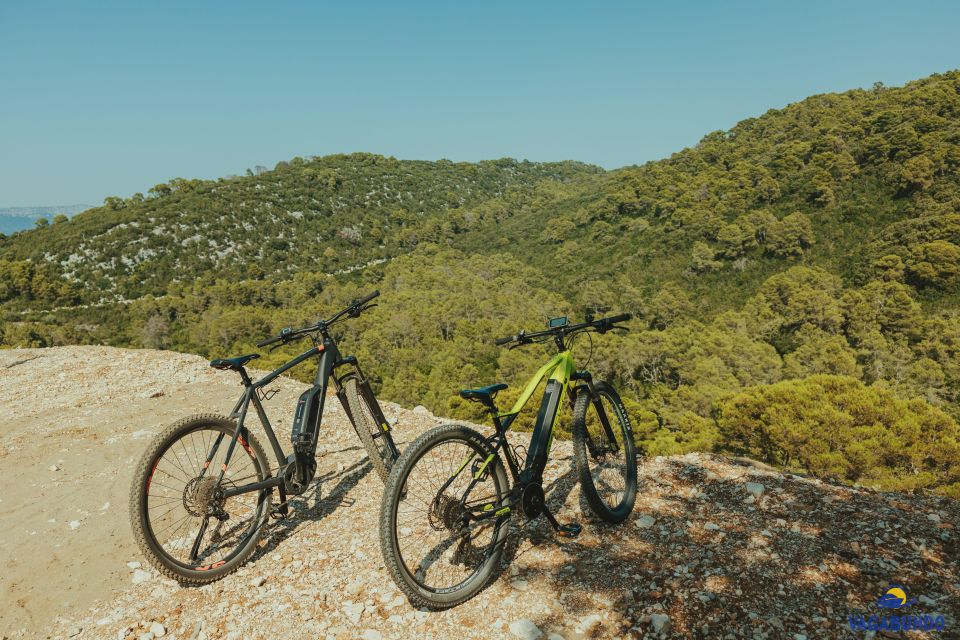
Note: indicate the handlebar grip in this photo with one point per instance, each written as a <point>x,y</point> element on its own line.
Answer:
<point>367,298</point>
<point>623,317</point>
<point>502,341</point>
<point>269,341</point>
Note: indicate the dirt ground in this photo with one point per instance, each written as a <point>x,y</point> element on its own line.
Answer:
<point>715,548</point>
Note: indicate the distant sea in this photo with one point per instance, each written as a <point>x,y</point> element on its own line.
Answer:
<point>22,218</point>
<point>9,224</point>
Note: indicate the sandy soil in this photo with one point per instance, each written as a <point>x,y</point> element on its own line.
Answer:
<point>715,548</point>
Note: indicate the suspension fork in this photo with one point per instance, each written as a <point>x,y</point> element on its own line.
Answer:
<point>366,392</point>
<point>597,403</point>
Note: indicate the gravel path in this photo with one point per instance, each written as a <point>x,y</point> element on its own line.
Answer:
<point>716,548</point>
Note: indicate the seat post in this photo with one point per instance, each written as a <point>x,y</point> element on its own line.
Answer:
<point>243,376</point>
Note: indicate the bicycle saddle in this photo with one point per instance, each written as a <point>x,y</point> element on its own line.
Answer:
<point>482,394</point>
<point>233,363</point>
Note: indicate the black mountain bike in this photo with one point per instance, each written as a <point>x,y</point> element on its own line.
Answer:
<point>445,511</point>
<point>199,503</point>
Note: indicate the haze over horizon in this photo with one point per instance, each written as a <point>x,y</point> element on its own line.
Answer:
<point>114,99</point>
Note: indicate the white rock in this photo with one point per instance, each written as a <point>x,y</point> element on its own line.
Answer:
<point>259,581</point>
<point>157,630</point>
<point>555,636</point>
<point>74,525</point>
<point>710,526</point>
<point>927,600</point>
<point>525,629</point>
<point>755,489</point>
<point>134,565</point>
<point>421,409</point>
<point>645,521</point>
<point>587,624</point>
<point>371,634</point>
<point>520,585</point>
<point>54,467</point>
<point>933,517</point>
<point>659,621</point>
<point>140,576</point>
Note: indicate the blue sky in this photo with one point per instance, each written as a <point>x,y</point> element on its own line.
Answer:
<point>101,99</point>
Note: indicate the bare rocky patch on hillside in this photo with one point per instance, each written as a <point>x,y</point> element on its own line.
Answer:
<point>715,548</point>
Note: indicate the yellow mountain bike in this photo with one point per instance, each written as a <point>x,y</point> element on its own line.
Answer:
<point>443,519</point>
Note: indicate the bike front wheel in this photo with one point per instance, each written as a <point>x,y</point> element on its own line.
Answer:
<point>443,519</point>
<point>181,520</point>
<point>604,452</point>
<point>375,437</point>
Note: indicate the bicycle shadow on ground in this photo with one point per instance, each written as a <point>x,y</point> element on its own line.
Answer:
<point>715,564</point>
<point>319,501</point>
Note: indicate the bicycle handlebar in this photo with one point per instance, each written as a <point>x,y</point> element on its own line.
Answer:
<point>354,309</point>
<point>367,298</point>
<point>602,325</point>
<point>269,341</point>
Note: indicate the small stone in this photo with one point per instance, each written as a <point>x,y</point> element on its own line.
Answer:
<point>134,565</point>
<point>933,517</point>
<point>421,409</point>
<point>520,585</point>
<point>587,624</point>
<point>799,636</point>
<point>927,600</point>
<point>145,636</point>
<point>371,634</point>
<point>645,521</point>
<point>74,525</point>
<point>157,630</point>
<point>140,576</point>
<point>259,581</point>
<point>755,489</point>
<point>660,622</point>
<point>525,629</point>
<point>54,467</point>
<point>710,526</point>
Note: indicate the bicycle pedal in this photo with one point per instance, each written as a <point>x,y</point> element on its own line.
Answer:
<point>571,530</point>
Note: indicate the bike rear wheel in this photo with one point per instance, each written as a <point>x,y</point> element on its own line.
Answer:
<point>437,554</point>
<point>181,521</point>
<point>604,452</point>
<point>374,436</point>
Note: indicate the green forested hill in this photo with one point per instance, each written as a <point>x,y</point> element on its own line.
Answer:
<point>324,214</point>
<point>796,278</point>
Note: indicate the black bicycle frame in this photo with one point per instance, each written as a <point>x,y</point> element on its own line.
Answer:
<point>329,361</point>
